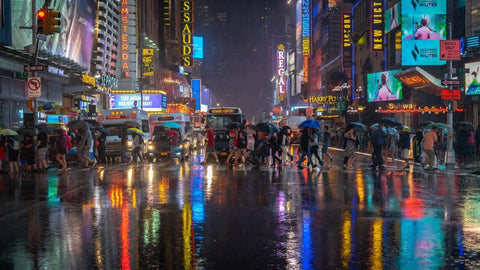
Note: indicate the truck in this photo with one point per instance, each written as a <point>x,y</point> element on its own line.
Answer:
<point>117,121</point>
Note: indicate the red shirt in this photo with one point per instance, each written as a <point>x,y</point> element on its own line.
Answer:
<point>210,138</point>
<point>173,135</point>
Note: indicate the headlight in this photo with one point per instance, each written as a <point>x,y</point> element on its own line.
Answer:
<point>150,147</point>
<point>129,143</point>
<point>181,146</point>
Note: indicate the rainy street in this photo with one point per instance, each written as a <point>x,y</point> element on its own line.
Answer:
<point>187,216</point>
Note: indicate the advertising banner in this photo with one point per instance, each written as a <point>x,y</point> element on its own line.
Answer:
<point>347,49</point>
<point>392,17</point>
<point>472,83</point>
<point>424,24</point>
<point>151,102</point>
<point>147,62</point>
<point>197,47</point>
<point>196,87</point>
<point>383,86</point>
<point>377,26</point>
<point>186,25</point>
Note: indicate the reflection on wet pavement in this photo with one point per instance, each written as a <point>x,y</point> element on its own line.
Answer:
<point>186,216</point>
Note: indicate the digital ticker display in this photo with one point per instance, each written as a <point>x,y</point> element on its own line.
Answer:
<point>424,24</point>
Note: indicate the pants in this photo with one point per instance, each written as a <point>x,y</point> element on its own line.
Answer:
<point>377,155</point>
<point>124,154</point>
<point>285,153</point>
<point>304,154</point>
<point>314,151</point>
<point>101,155</point>
<point>430,159</point>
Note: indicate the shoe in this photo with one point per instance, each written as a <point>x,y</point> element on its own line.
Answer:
<point>331,159</point>
<point>202,163</point>
<point>407,167</point>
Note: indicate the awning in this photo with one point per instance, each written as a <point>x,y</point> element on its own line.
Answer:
<point>419,79</point>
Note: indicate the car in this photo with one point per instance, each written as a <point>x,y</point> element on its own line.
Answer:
<point>159,148</point>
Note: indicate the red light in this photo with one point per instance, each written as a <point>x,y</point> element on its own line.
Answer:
<point>41,14</point>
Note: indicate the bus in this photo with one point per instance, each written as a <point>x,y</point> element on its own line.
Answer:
<point>116,121</point>
<point>219,118</point>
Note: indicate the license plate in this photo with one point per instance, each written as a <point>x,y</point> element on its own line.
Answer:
<point>223,154</point>
<point>164,154</point>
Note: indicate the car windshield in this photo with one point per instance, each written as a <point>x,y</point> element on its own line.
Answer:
<point>115,130</point>
<point>161,136</point>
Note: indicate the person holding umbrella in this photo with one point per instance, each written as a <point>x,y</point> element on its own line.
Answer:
<point>429,140</point>
<point>404,145</point>
<point>378,141</point>
<point>101,148</point>
<point>85,146</point>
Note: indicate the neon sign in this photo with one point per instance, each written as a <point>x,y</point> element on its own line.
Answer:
<point>347,53</point>
<point>125,52</point>
<point>281,65</point>
<point>186,24</point>
<point>306,27</point>
<point>377,26</point>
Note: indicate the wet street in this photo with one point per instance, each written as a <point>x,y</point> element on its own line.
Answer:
<point>186,216</point>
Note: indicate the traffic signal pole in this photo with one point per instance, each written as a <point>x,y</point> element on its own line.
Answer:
<point>450,153</point>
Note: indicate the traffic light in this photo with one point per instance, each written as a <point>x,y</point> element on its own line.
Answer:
<point>53,22</point>
<point>41,20</point>
<point>48,21</point>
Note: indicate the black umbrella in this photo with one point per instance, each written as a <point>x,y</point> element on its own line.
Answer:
<point>27,131</point>
<point>102,129</point>
<point>390,121</point>
<point>79,124</point>
<point>425,125</point>
<point>357,125</point>
<point>464,125</point>
<point>266,127</point>
<point>44,128</point>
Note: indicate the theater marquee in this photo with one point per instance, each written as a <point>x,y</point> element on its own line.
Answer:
<point>186,25</point>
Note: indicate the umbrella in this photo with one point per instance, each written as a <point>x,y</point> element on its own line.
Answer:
<point>405,129</point>
<point>374,126</point>
<point>357,125</point>
<point>266,127</point>
<point>169,124</point>
<point>27,131</point>
<point>464,125</point>
<point>394,131</point>
<point>425,125</point>
<point>441,126</point>
<point>102,129</point>
<point>78,124</point>
<point>310,123</point>
<point>132,124</point>
<point>136,130</point>
<point>390,121</point>
<point>8,132</point>
<point>44,128</point>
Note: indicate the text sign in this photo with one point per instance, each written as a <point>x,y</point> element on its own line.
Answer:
<point>33,68</point>
<point>450,50</point>
<point>450,82</point>
<point>451,94</point>
<point>34,87</point>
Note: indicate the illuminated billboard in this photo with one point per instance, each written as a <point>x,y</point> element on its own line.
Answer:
<point>197,47</point>
<point>306,27</point>
<point>77,23</point>
<point>186,26</point>
<point>347,49</point>
<point>377,26</point>
<point>383,86</point>
<point>281,67</point>
<point>151,102</point>
<point>472,83</point>
<point>392,17</point>
<point>196,88</point>
<point>424,24</point>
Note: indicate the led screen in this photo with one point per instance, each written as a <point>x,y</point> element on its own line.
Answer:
<point>392,18</point>
<point>151,102</point>
<point>472,83</point>
<point>424,24</point>
<point>197,47</point>
<point>75,40</point>
<point>383,86</point>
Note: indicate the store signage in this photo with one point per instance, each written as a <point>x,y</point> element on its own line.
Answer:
<point>326,99</point>
<point>306,27</point>
<point>450,50</point>
<point>377,26</point>
<point>88,80</point>
<point>151,102</point>
<point>147,62</point>
<point>347,49</point>
<point>281,66</point>
<point>451,94</point>
<point>186,26</point>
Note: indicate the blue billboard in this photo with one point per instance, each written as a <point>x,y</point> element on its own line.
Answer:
<point>151,102</point>
<point>197,47</point>
<point>424,24</point>
<point>196,87</point>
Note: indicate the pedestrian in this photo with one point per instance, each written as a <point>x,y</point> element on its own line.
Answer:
<point>351,138</point>
<point>41,151</point>
<point>275,150</point>
<point>470,144</point>
<point>13,149</point>
<point>391,145</point>
<point>61,146</point>
<point>102,139</point>
<point>314,147</point>
<point>242,144</point>
<point>85,147</point>
<point>210,150</point>
<point>418,146</point>
<point>2,152</point>
<point>404,145</point>
<point>378,141</point>
<point>477,141</point>
<point>429,141</point>
<point>326,143</point>
<point>304,150</point>
<point>173,139</point>
<point>124,145</point>
<point>28,152</point>
<point>284,142</point>
<point>232,145</point>
<point>137,147</point>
